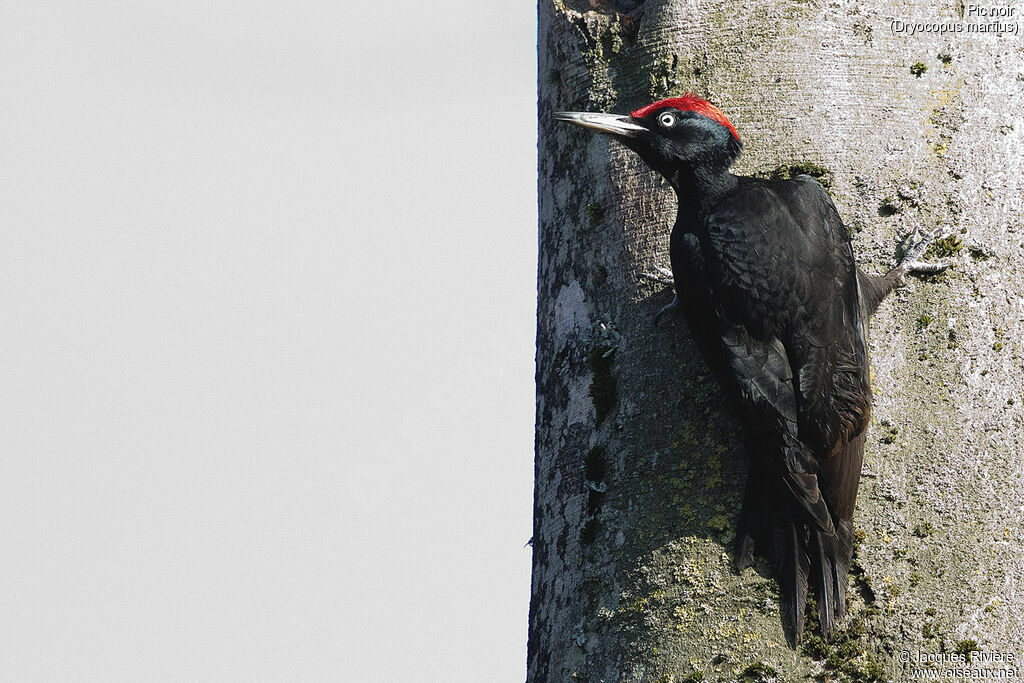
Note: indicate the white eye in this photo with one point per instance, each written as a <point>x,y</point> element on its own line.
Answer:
<point>667,120</point>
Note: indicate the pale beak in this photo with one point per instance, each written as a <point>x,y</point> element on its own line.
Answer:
<point>606,123</point>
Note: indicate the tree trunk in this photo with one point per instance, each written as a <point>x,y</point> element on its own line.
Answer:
<point>639,472</point>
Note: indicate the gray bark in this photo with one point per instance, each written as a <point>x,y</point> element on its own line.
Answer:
<point>638,470</point>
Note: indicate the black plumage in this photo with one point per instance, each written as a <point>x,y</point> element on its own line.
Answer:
<point>765,275</point>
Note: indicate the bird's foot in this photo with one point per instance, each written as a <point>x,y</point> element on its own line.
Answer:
<point>918,243</point>
<point>662,276</point>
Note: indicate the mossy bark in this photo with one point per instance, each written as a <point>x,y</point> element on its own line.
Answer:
<point>639,471</point>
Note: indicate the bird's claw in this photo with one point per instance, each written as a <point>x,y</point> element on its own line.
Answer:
<point>662,276</point>
<point>918,244</point>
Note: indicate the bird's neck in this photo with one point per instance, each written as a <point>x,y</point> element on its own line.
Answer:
<point>699,185</point>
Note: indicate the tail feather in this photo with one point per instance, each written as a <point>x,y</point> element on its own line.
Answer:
<point>825,584</point>
<point>792,567</point>
<point>834,553</point>
<point>806,555</point>
<point>809,538</point>
<point>753,526</point>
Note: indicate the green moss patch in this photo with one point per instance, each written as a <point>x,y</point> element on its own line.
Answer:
<point>966,647</point>
<point>924,529</point>
<point>845,653</point>
<point>788,171</point>
<point>947,247</point>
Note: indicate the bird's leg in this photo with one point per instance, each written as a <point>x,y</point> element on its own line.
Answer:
<point>663,276</point>
<point>911,261</point>
<point>874,289</point>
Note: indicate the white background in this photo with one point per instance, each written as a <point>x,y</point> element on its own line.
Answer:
<point>267,284</point>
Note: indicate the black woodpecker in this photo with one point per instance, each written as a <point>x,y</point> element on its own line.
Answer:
<point>764,274</point>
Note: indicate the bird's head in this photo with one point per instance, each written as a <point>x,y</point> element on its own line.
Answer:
<point>670,135</point>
